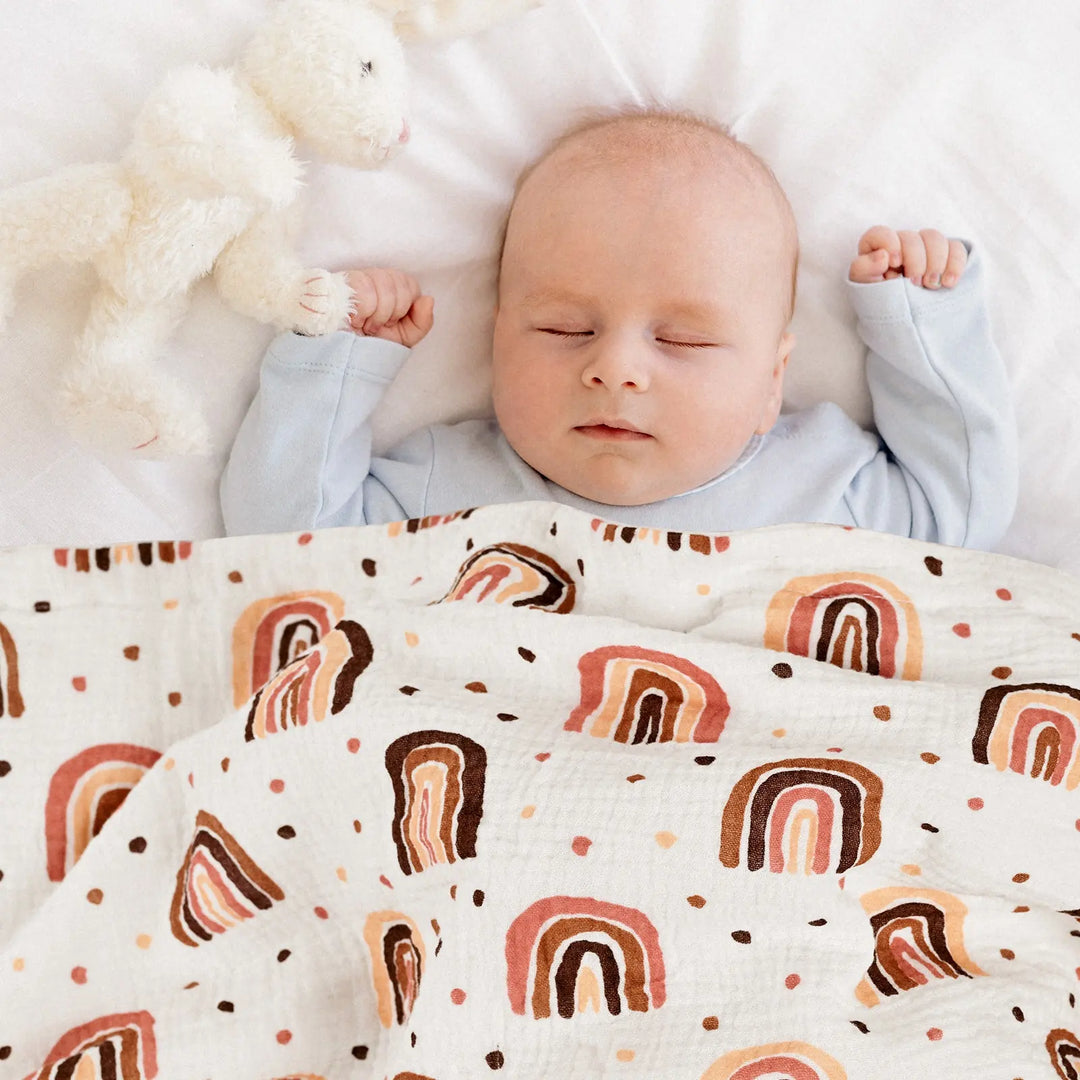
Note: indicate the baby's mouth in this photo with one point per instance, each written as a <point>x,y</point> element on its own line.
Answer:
<point>613,431</point>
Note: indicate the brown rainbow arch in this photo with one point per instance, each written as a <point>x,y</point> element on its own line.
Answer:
<point>853,620</point>
<point>546,947</point>
<point>397,964</point>
<point>319,683</point>
<point>635,695</point>
<point>774,806</point>
<point>438,781</point>
<point>11,702</point>
<point>1064,1050</point>
<point>120,1046</point>
<point>1031,722</point>
<point>787,1060</point>
<point>84,793</point>
<point>218,885</point>
<point>273,632</point>
<point>918,939</point>
<point>513,574</point>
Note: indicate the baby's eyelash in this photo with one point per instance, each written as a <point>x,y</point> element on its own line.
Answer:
<point>663,341</point>
<point>688,344</point>
<point>565,333</point>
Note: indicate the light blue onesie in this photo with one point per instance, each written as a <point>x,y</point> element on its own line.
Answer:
<point>944,469</point>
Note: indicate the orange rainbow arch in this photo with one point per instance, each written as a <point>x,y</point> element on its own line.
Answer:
<point>319,682</point>
<point>853,620</point>
<point>84,793</point>
<point>546,950</point>
<point>635,695</point>
<point>516,575</point>
<point>273,632</point>
<point>438,779</point>
<point>397,964</point>
<point>810,814</point>
<point>1032,729</point>
<point>11,702</point>
<point>918,938</point>
<point>120,1046</point>
<point>776,1061</point>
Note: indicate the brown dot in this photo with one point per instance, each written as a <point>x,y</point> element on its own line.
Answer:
<point>286,832</point>
<point>356,826</point>
<point>5,1053</point>
<point>224,764</point>
<point>1021,908</point>
<point>696,901</point>
<point>476,687</point>
<point>360,1053</point>
<point>225,1006</point>
<point>95,896</point>
<point>190,985</point>
<point>408,691</point>
<point>131,652</point>
<point>435,926</point>
<point>705,759</point>
<point>284,955</point>
<point>368,566</point>
<point>477,899</point>
<point>861,1026</point>
<point>930,759</point>
<point>235,576</point>
<point>42,606</point>
<point>782,671</point>
<point>526,654</point>
<point>1001,672</point>
<point>412,1038</point>
<point>635,777</point>
<point>933,564</point>
<point>1018,1013</point>
<point>506,717</point>
<point>453,892</point>
<point>741,936</point>
<point>174,699</point>
<point>928,827</point>
<point>1020,878</point>
<point>883,712</point>
<point>818,922</point>
<point>711,1023</point>
<point>5,768</point>
<point>495,1059</point>
<point>138,845</point>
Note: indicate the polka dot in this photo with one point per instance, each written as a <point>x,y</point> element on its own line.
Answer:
<point>224,764</point>
<point>174,699</point>
<point>792,981</point>
<point>975,803</point>
<point>1020,909</point>
<point>411,639</point>
<point>95,896</point>
<point>284,1036</point>
<point>357,826</point>
<point>235,577</point>
<point>741,936</point>
<point>137,846</point>
<point>861,1026</point>
<point>18,964</point>
<point>360,1053</point>
<point>284,955</point>
<point>286,832</point>
<point>385,880</point>
<point>704,590</point>
<point>476,687</point>
<point>42,606</point>
<point>526,654</point>
<point>79,682</point>
<point>453,892</point>
<point>782,671</point>
<point>1001,672</point>
<point>666,839</point>
<point>277,786</point>
<point>624,1055</point>
<point>78,976</point>
<point>543,757</point>
<point>1020,878</point>
<point>580,845</point>
<point>696,901</point>
<point>704,759</point>
<point>911,869</point>
<point>408,691</point>
<point>171,605</point>
<point>883,712</point>
<point>1003,594</point>
<point>933,564</point>
<point>477,899</point>
<point>934,1034</point>
<point>353,745</point>
<point>495,1059</point>
<point>368,566</point>
<point>304,539</point>
<point>342,873</point>
<point>5,1053</point>
<point>506,717</point>
<point>711,1023</point>
<point>528,811</point>
<point>835,750</point>
<point>226,1007</point>
<point>929,828</point>
<point>961,629</point>
<point>779,732</point>
<point>322,913</point>
<point>930,759</point>
<point>633,778</point>
<point>1018,1013</point>
<point>143,941</point>
<point>457,996</point>
<point>5,768</point>
<point>131,652</point>
<point>1007,954</point>
<point>817,922</point>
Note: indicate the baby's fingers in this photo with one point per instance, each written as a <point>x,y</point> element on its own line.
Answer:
<point>881,237</point>
<point>417,321</point>
<point>956,264</point>
<point>365,296</point>
<point>870,267</point>
<point>937,255</point>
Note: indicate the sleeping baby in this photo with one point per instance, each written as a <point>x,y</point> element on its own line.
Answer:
<point>646,285</point>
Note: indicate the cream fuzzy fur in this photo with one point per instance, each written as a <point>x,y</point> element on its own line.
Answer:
<point>204,187</point>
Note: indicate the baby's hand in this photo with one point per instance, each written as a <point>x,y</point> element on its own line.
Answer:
<point>925,258</point>
<point>388,304</point>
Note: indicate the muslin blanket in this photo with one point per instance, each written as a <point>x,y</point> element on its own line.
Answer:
<point>521,793</point>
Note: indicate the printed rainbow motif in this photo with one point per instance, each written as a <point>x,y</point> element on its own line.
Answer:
<point>105,558</point>
<point>273,632</point>
<point>438,779</point>
<point>776,1061</point>
<point>808,814</point>
<point>414,525</point>
<point>218,885</point>
<point>516,575</point>
<point>397,964</point>
<point>84,793</point>
<point>635,695</point>
<point>319,681</point>
<point>11,702</point>
<point>853,620</point>
<point>918,937</point>
<point>119,1046</point>
<point>628,534</point>
<point>546,949</point>
<point>1064,1050</point>
<point>1036,723</point>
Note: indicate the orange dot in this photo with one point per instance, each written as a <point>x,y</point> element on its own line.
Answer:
<point>711,1023</point>
<point>1020,878</point>
<point>1004,594</point>
<point>528,811</point>
<point>304,538</point>
<point>930,759</point>
<point>284,1036</point>
<point>79,682</point>
<point>666,839</point>
<point>353,745</point>
<point>1001,672</point>
<point>934,1034</point>
<point>976,803</point>
<point>342,874</point>
<point>961,629</point>
<point>624,1055</point>
<point>580,845</point>
<point>457,996</point>
<point>277,786</point>
<point>18,964</point>
<point>704,590</point>
<point>322,913</point>
<point>168,764</point>
<point>792,981</point>
<point>411,639</point>
<point>171,605</point>
<point>78,975</point>
<point>95,896</point>
<point>912,869</point>
<point>779,732</point>
<point>143,941</point>
<point>696,901</point>
<point>882,712</point>
<point>1007,954</point>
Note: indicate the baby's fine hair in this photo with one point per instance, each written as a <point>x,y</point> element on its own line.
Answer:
<point>656,121</point>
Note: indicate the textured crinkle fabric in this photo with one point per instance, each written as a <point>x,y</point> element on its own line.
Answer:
<point>521,792</point>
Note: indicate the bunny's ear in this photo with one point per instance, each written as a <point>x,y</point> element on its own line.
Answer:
<point>416,19</point>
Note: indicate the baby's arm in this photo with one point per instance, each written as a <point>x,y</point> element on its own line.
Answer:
<point>303,450</point>
<point>941,396</point>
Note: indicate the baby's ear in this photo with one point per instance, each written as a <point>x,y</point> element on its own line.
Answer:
<point>774,398</point>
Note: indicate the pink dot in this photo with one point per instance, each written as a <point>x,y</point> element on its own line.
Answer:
<point>353,745</point>
<point>79,682</point>
<point>78,975</point>
<point>1078,824</point>
<point>457,996</point>
<point>961,629</point>
<point>1004,594</point>
<point>322,913</point>
<point>792,981</point>
<point>277,786</point>
<point>284,1036</point>
<point>976,803</point>
<point>542,757</point>
<point>385,880</point>
<point>934,1034</point>
<point>304,538</point>
<point>721,543</point>
<point>581,845</point>
<point>835,750</point>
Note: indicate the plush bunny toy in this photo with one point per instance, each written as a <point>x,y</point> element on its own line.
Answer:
<point>203,187</point>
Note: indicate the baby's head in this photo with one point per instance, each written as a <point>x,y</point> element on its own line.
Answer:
<point>646,283</point>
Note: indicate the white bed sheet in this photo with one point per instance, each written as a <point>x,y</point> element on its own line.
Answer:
<point>950,115</point>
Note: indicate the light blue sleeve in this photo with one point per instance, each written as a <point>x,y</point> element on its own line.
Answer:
<point>303,452</point>
<point>942,406</point>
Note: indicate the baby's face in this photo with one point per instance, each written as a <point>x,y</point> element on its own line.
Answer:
<point>639,340</point>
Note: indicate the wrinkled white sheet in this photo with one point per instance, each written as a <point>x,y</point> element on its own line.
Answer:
<point>922,114</point>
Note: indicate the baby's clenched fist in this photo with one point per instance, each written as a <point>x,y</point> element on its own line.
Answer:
<point>388,304</point>
<point>925,258</point>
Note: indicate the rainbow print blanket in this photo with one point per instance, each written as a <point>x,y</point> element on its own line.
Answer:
<point>520,793</point>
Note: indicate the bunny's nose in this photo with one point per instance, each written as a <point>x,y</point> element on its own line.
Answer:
<point>404,136</point>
